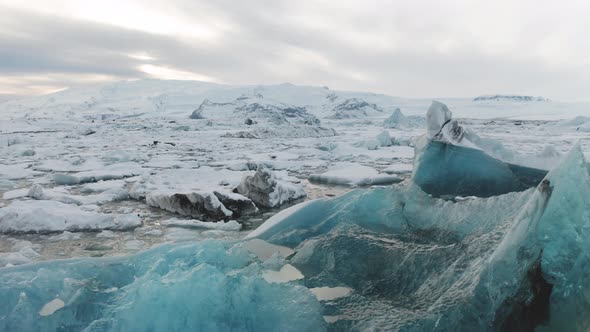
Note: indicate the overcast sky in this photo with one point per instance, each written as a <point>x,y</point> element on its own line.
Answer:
<point>430,48</point>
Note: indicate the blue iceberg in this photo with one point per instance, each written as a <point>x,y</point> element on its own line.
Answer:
<point>515,262</point>
<point>445,169</point>
<point>452,160</point>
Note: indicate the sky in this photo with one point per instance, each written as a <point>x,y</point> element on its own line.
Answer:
<point>421,48</point>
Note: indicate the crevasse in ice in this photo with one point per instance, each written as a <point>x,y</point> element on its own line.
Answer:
<point>401,260</point>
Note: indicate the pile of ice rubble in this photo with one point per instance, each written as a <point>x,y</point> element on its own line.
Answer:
<point>198,193</point>
<point>203,193</point>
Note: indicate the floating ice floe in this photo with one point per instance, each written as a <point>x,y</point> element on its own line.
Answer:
<point>111,195</point>
<point>231,225</point>
<point>110,172</point>
<point>51,216</point>
<point>350,174</point>
<point>384,139</point>
<point>451,160</point>
<point>283,132</point>
<point>102,186</point>
<point>15,172</point>
<point>203,193</point>
<point>72,164</point>
<point>269,188</point>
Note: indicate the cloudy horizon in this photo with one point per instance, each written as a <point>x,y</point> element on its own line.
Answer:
<point>420,49</point>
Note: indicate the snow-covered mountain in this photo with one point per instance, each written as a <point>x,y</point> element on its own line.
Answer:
<point>516,98</point>
<point>150,97</point>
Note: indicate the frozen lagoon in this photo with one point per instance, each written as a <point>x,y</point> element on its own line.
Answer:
<point>385,232</point>
<point>410,261</point>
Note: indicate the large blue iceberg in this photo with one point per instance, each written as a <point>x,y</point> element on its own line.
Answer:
<point>446,169</point>
<point>452,160</point>
<point>514,262</point>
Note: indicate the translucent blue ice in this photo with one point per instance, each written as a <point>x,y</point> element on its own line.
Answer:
<point>446,169</point>
<point>513,262</point>
<point>209,286</point>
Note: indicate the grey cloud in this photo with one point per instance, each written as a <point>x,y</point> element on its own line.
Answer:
<point>263,44</point>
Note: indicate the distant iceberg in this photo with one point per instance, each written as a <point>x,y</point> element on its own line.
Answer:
<point>398,120</point>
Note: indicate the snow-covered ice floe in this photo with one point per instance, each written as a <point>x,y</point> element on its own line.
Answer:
<point>203,193</point>
<point>111,195</point>
<point>350,174</point>
<point>110,172</point>
<point>212,194</point>
<point>270,188</point>
<point>231,225</point>
<point>50,216</point>
<point>387,258</point>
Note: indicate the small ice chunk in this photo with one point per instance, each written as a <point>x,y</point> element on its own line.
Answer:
<point>437,116</point>
<point>134,244</point>
<point>106,234</point>
<point>370,144</point>
<point>332,319</point>
<point>398,168</point>
<point>16,172</point>
<point>270,188</point>
<point>50,216</point>
<point>265,250</point>
<point>102,186</point>
<point>287,273</point>
<point>350,174</point>
<point>16,193</point>
<point>330,293</point>
<point>13,258</point>
<point>65,236</point>
<point>384,139</point>
<point>231,225</point>
<point>51,307</point>
<point>111,172</point>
